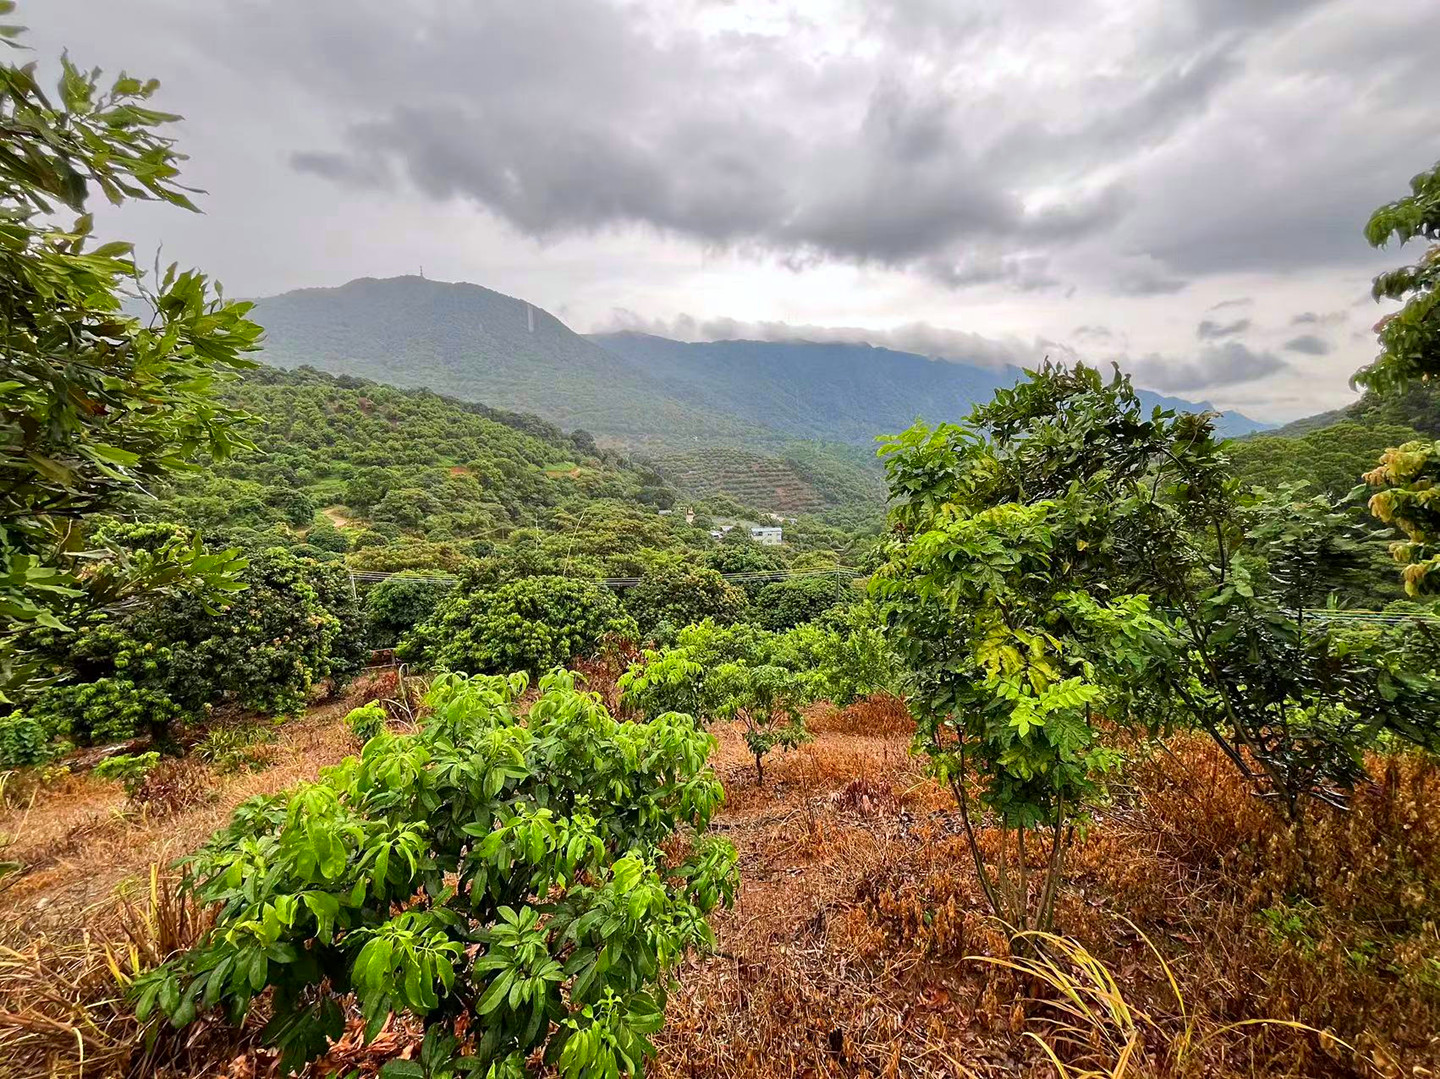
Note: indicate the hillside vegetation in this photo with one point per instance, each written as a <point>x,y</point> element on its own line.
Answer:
<point>802,478</point>
<point>629,390</point>
<point>357,731</point>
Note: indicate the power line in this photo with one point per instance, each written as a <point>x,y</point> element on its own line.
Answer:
<point>752,577</point>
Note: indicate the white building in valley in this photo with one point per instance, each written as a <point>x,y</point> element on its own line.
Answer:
<point>767,535</point>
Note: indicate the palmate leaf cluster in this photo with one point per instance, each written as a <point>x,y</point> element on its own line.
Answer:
<point>523,873</point>
<point>95,403</point>
<point>1409,342</point>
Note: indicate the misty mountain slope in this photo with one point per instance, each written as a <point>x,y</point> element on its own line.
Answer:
<point>845,392</point>
<point>841,392</point>
<point>476,344</point>
<point>626,389</point>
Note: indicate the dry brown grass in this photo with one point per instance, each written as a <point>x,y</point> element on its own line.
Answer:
<point>852,949</point>
<point>77,844</point>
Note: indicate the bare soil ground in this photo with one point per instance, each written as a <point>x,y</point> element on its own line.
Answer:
<point>851,951</point>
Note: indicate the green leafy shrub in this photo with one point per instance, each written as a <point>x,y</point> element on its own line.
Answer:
<point>296,623</point>
<point>767,699</point>
<point>129,768</point>
<point>105,710</point>
<point>25,741</point>
<point>845,653</point>
<point>366,721</point>
<point>398,604</point>
<point>678,596</point>
<point>522,873</point>
<point>531,624</point>
<point>783,605</point>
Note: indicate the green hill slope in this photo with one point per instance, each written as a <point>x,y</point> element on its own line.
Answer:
<point>480,345</point>
<point>804,478</point>
<point>400,464</point>
<point>627,389</point>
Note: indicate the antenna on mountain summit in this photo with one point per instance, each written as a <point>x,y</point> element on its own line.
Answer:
<point>422,271</point>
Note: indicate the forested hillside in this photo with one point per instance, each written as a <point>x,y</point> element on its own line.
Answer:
<point>802,478</point>
<point>480,345</point>
<point>1331,450</point>
<point>630,390</point>
<point>834,391</point>
<point>390,463</point>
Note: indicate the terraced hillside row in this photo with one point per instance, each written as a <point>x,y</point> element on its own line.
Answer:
<point>806,479</point>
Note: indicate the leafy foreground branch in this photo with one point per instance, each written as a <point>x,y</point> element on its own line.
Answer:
<point>507,871</point>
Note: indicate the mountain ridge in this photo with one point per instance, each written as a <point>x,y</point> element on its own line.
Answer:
<point>632,390</point>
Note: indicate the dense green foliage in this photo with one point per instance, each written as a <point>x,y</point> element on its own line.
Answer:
<point>1065,555</point>
<point>531,624</point>
<point>1409,354</point>
<point>785,604</point>
<point>404,461</point>
<point>519,872</point>
<point>1331,459</point>
<point>1409,338</point>
<point>671,597</point>
<point>764,679</point>
<point>398,604</point>
<point>119,675</point>
<point>94,402</point>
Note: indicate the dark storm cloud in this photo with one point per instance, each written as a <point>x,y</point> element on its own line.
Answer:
<point>971,144</point>
<point>1210,330</point>
<point>572,117</point>
<point>1216,367</point>
<point>1309,344</point>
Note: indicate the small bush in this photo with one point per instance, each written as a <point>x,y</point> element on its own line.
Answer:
<point>679,596</point>
<point>397,604</point>
<point>129,768</point>
<point>24,741</point>
<point>522,873</point>
<point>230,748</point>
<point>532,624</point>
<point>785,604</point>
<point>366,721</point>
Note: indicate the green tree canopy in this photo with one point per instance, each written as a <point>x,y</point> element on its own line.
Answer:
<point>95,402</point>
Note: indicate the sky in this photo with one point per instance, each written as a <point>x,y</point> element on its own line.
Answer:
<point>1179,186</point>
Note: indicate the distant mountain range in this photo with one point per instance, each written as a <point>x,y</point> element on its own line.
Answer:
<point>645,392</point>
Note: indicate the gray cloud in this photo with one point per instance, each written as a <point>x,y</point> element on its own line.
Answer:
<point>1241,301</point>
<point>584,115</point>
<point>1209,330</point>
<point>922,338</point>
<point>1311,318</point>
<point>1216,367</point>
<point>1147,281</point>
<point>1309,344</point>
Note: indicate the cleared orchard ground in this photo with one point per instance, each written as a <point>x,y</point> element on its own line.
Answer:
<point>850,951</point>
